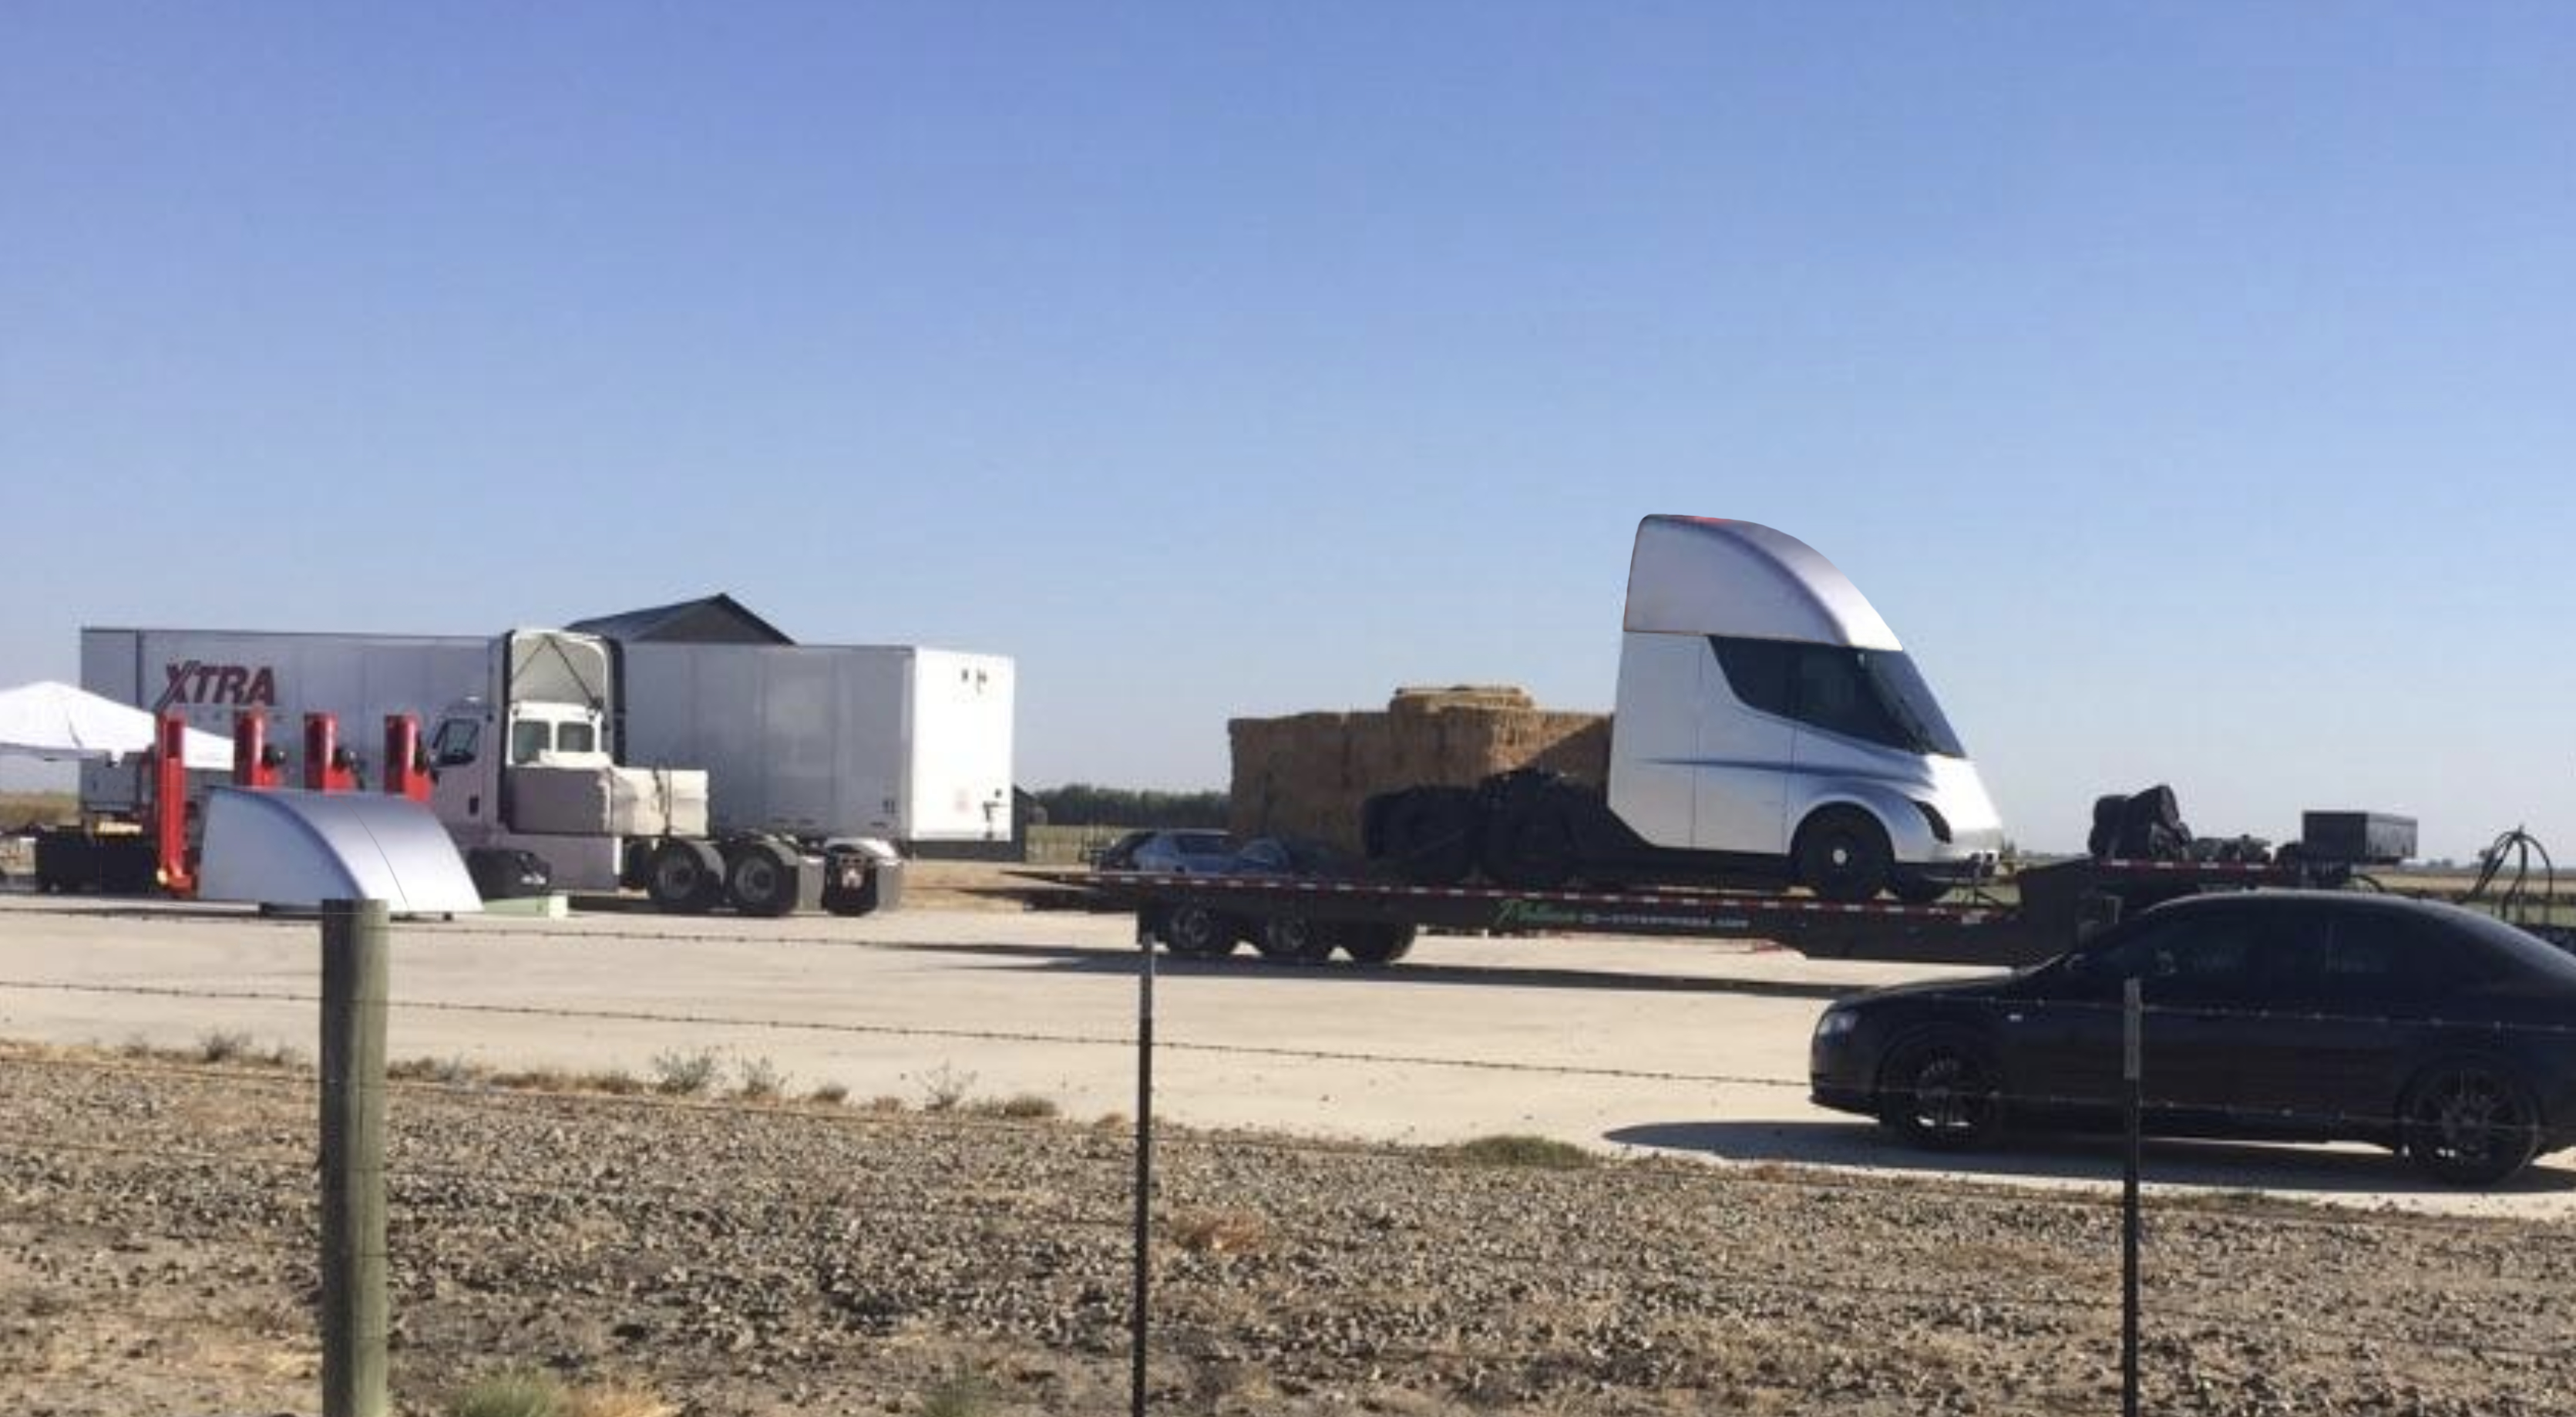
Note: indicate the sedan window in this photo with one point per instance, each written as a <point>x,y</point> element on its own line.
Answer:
<point>2200,957</point>
<point>2388,960</point>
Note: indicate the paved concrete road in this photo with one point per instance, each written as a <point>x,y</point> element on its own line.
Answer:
<point>1683,1048</point>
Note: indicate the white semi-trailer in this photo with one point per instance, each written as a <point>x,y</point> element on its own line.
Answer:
<point>760,776</point>
<point>905,743</point>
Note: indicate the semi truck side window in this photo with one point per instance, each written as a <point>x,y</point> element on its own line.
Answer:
<point>1835,694</point>
<point>1759,673</point>
<point>454,745</point>
<point>1873,695</point>
<point>575,738</point>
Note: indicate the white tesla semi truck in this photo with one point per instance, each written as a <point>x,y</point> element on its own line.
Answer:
<point>1770,730</point>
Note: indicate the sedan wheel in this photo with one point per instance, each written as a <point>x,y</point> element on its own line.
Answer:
<point>1942,1093</point>
<point>2471,1124</point>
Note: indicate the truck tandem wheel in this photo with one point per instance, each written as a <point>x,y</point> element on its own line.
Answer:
<point>1427,834</point>
<point>762,879</point>
<point>685,877</point>
<point>1529,846</point>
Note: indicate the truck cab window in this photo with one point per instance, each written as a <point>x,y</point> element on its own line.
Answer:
<point>529,737</point>
<point>1759,671</point>
<point>1876,696</point>
<point>454,745</point>
<point>1835,694</point>
<point>575,738</point>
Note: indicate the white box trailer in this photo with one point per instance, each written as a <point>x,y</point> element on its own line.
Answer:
<point>876,740</point>
<point>813,741</point>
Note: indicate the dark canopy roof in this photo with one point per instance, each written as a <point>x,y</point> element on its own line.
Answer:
<point>715,619</point>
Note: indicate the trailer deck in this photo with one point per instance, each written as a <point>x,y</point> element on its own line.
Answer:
<point>2058,905</point>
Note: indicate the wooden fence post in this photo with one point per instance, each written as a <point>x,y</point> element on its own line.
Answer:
<point>354,935</point>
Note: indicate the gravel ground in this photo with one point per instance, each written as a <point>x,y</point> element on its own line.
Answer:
<point>155,1257</point>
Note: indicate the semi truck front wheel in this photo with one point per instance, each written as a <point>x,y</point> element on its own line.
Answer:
<point>1843,855</point>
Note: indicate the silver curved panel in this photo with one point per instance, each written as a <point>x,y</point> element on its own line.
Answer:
<point>303,848</point>
<point>1703,576</point>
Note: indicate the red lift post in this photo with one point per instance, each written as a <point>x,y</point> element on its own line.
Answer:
<point>170,806</point>
<point>328,767</point>
<point>257,763</point>
<point>406,763</point>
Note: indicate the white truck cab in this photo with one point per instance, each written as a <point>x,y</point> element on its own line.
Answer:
<point>1765,709</point>
<point>529,768</point>
<point>1769,728</point>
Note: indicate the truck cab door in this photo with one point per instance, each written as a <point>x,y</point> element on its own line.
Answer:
<point>462,782</point>
<point>1746,745</point>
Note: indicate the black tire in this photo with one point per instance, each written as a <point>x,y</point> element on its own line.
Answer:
<point>851,884</point>
<point>763,879</point>
<point>1196,932</point>
<point>1530,847</point>
<point>1917,890</point>
<point>1941,1091</point>
<point>1294,939</point>
<point>1428,835</point>
<point>1378,945</point>
<point>1843,855</point>
<point>686,877</point>
<point>2470,1123</point>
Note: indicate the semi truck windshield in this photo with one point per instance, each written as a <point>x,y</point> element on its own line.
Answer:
<point>1876,696</point>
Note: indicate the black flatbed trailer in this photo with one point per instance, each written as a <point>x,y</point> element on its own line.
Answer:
<point>2059,904</point>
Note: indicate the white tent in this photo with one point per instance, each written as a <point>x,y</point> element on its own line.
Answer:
<point>50,720</point>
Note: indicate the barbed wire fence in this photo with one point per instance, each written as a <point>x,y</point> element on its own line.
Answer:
<point>1116,1175</point>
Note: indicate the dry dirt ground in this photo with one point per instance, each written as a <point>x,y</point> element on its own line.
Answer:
<point>156,1256</point>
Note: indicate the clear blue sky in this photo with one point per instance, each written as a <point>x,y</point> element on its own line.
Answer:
<point>2193,387</point>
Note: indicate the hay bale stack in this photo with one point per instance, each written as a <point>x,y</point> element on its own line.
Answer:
<point>1306,775</point>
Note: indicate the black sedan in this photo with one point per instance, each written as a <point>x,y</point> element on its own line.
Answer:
<point>2273,1015</point>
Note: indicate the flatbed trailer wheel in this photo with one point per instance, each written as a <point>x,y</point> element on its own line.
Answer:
<point>1378,944</point>
<point>1196,932</point>
<point>1294,939</point>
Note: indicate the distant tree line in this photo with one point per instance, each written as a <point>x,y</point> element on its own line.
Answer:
<point>1080,804</point>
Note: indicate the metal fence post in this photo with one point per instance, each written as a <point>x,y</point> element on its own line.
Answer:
<point>1144,1165</point>
<point>2131,1079</point>
<point>353,1157</point>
